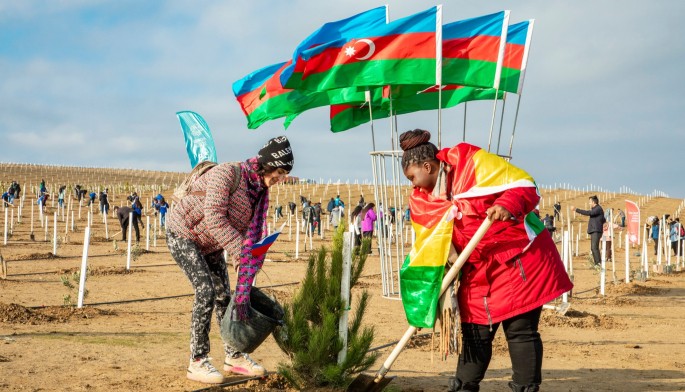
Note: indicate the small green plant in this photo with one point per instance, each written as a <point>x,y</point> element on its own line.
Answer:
<point>116,245</point>
<point>136,252</point>
<point>310,335</point>
<point>71,281</point>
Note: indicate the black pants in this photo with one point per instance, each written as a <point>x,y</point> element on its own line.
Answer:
<point>525,350</point>
<point>594,247</point>
<point>124,228</point>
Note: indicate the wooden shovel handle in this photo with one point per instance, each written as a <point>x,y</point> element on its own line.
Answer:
<point>446,281</point>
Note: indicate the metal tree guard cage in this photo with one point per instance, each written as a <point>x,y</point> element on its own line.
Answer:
<point>387,171</point>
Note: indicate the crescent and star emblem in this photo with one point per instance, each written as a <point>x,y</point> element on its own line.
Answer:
<point>351,51</point>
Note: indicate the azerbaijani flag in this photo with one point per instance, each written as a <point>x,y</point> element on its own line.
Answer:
<point>262,98</point>
<point>473,50</point>
<point>346,116</point>
<point>427,99</point>
<point>265,243</point>
<point>516,56</point>
<point>482,173</point>
<point>401,52</point>
<point>356,25</point>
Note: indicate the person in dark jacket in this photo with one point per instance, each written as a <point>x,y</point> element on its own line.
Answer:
<point>104,201</point>
<point>316,218</point>
<point>77,192</point>
<point>594,226</point>
<point>122,215</point>
<point>329,208</point>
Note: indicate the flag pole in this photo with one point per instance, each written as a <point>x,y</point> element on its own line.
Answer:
<point>501,120</point>
<point>463,138</point>
<point>524,65</point>
<point>498,72</point>
<point>492,121</point>
<point>373,138</point>
<point>513,130</point>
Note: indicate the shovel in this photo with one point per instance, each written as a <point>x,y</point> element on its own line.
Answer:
<point>369,383</point>
<point>561,309</point>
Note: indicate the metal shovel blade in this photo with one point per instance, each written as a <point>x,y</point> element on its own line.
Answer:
<point>563,308</point>
<point>368,383</point>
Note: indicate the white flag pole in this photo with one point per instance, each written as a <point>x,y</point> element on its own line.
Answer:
<point>524,64</point>
<point>498,71</point>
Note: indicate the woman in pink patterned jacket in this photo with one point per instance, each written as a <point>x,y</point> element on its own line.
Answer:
<point>225,209</point>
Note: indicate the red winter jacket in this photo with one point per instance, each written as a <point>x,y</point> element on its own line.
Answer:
<point>506,275</point>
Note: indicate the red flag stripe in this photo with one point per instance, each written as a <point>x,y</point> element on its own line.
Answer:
<point>389,47</point>
<point>482,47</point>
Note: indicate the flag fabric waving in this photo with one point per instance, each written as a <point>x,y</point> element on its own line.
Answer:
<point>516,53</point>
<point>198,138</point>
<point>483,173</point>
<point>265,243</point>
<point>262,98</point>
<point>473,50</point>
<point>346,116</point>
<point>401,52</point>
<point>423,268</point>
<point>633,222</point>
<point>357,25</point>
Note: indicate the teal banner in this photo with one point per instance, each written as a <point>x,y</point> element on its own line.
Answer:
<point>199,141</point>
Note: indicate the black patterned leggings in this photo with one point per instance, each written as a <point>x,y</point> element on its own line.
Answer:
<point>209,278</point>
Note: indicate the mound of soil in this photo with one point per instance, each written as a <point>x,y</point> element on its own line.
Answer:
<point>17,314</point>
<point>632,289</point>
<point>578,319</point>
<point>613,301</point>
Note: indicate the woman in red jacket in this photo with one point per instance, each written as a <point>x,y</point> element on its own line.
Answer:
<point>225,210</point>
<point>513,271</point>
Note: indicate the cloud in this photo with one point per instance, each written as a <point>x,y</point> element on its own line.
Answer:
<point>99,83</point>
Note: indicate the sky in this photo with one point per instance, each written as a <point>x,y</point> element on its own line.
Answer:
<point>97,83</point>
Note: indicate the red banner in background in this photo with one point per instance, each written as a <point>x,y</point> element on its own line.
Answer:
<point>633,222</point>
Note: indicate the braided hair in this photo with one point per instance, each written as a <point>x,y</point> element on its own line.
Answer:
<point>417,147</point>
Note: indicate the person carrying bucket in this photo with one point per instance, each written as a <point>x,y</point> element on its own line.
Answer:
<point>225,210</point>
<point>513,270</point>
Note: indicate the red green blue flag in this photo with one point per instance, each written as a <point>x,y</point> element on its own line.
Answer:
<point>473,50</point>
<point>405,99</point>
<point>516,53</point>
<point>401,52</point>
<point>262,98</point>
<point>357,25</point>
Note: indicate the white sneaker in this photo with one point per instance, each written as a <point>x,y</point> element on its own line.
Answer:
<point>244,365</point>
<point>203,371</point>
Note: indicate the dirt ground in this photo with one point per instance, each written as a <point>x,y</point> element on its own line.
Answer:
<point>132,335</point>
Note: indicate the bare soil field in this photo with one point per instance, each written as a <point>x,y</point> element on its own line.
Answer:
<point>133,333</point>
